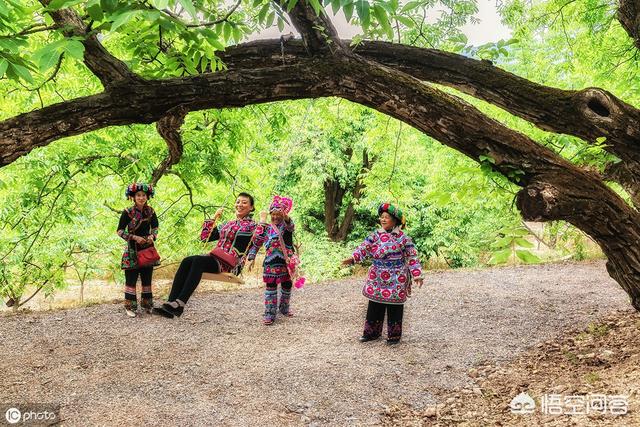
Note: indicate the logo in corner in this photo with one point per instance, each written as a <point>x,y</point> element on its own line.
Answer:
<point>522,404</point>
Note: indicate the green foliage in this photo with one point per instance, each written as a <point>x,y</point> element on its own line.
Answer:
<point>510,243</point>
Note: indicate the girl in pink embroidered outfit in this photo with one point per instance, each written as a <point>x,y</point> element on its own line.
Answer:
<point>277,239</point>
<point>395,264</point>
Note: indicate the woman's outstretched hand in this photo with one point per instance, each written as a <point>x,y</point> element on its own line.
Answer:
<point>263,216</point>
<point>218,214</point>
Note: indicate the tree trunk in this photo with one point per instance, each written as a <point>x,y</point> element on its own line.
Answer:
<point>629,17</point>
<point>597,211</point>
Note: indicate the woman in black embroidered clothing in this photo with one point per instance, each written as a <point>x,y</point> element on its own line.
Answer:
<point>234,238</point>
<point>139,227</point>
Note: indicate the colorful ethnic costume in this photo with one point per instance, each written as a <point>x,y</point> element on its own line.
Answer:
<point>278,242</point>
<point>143,223</point>
<point>394,264</point>
<point>234,237</point>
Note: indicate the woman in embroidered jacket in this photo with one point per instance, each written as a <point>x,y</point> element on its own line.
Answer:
<point>395,264</point>
<point>139,227</point>
<point>277,239</point>
<point>234,238</point>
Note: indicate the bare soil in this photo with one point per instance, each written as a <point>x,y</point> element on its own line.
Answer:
<point>502,331</point>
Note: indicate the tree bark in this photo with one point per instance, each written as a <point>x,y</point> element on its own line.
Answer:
<point>169,128</point>
<point>589,113</point>
<point>629,17</point>
<point>109,69</point>
<point>356,193</point>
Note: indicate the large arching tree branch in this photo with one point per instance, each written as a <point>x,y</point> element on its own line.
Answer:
<point>589,113</point>
<point>551,109</point>
<point>149,101</point>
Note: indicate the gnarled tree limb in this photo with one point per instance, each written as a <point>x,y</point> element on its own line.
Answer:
<point>169,128</point>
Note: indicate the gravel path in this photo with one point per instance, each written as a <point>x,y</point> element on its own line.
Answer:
<point>219,365</point>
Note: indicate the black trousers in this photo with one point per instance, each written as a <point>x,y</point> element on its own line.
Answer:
<point>375,320</point>
<point>130,279</point>
<point>189,274</point>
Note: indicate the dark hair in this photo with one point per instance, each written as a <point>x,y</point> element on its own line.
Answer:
<point>250,197</point>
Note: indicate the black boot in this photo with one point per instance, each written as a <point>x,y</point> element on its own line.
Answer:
<point>166,310</point>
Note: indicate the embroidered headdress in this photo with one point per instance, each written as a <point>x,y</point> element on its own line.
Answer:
<point>139,186</point>
<point>283,204</point>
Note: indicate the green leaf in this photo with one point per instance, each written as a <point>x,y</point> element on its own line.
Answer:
<point>519,232</point>
<point>237,34</point>
<point>362,7</point>
<point>226,31</point>
<point>123,18</point>
<point>381,17</point>
<point>263,12</point>
<point>280,24</point>
<point>405,21</point>
<point>315,4</point>
<point>270,19</point>
<point>217,45</point>
<point>348,11</point>
<point>160,4</point>
<point>601,139</point>
<point>410,6</point>
<point>503,242</point>
<point>109,5</point>
<point>95,12</point>
<point>188,6</point>
<point>61,4</point>
<point>489,159</point>
<point>47,57</point>
<point>524,243</point>
<point>527,256</point>
<point>335,6</point>
<point>151,15</point>
<point>500,257</point>
<point>75,49</point>
<point>3,66</point>
<point>21,72</point>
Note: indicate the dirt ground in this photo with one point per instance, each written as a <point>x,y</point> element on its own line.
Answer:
<point>472,341</point>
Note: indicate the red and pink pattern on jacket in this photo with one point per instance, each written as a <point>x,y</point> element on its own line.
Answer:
<point>395,262</point>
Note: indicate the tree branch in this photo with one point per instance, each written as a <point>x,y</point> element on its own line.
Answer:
<point>109,69</point>
<point>169,128</point>
<point>317,31</point>
<point>629,16</point>
<point>217,21</point>
<point>589,113</point>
